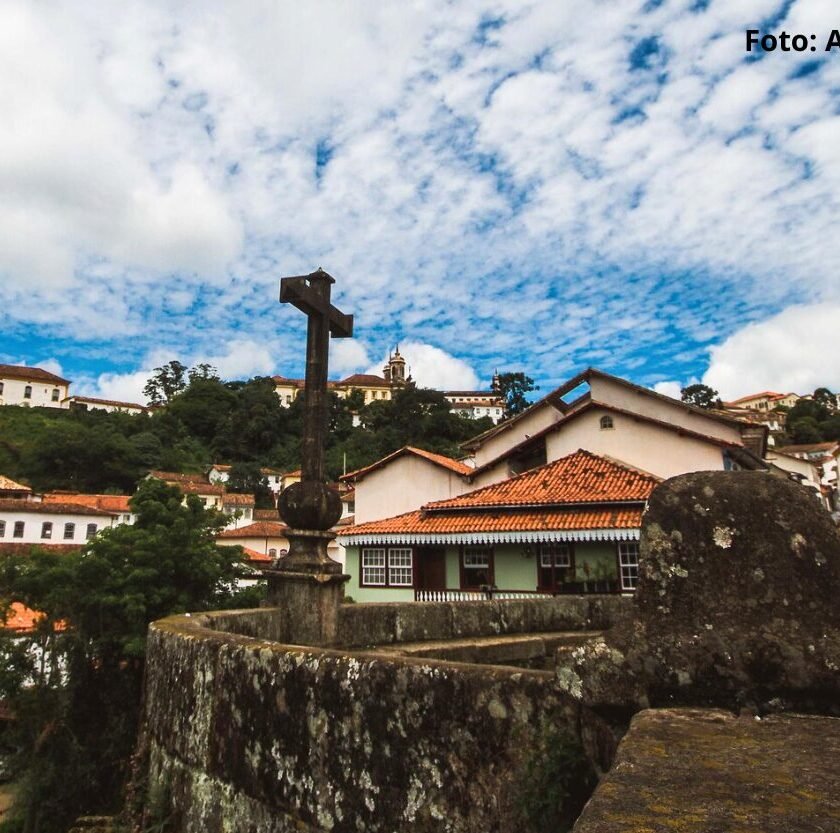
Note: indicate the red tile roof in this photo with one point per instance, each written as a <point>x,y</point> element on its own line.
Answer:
<point>50,508</point>
<point>581,477</point>
<point>21,618</point>
<point>177,477</point>
<point>30,374</point>
<point>255,557</point>
<point>367,380</point>
<point>438,459</point>
<point>419,521</point>
<point>188,488</point>
<point>231,499</point>
<point>115,403</point>
<point>8,548</point>
<point>110,503</point>
<point>266,515</point>
<point>259,529</point>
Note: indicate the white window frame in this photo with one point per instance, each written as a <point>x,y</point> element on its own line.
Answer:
<point>476,557</point>
<point>46,529</point>
<point>628,565</point>
<point>374,564</point>
<point>400,567</point>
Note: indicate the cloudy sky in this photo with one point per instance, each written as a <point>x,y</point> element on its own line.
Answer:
<point>535,186</point>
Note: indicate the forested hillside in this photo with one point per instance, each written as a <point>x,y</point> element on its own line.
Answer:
<point>208,421</point>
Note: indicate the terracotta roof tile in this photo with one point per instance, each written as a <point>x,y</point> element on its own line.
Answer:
<point>581,477</point>
<point>33,374</point>
<point>255,557</point>
<point>438,459</point>
<point>266,515</point>
<point>232,499</point>
<point>367,380</point>
<point>9,548</point>
<point>115,403</point>
<point>109,503</point>
<point>50,508</point>
<point>507,521</point>
<point>260,529</point>
<point>177,477</point>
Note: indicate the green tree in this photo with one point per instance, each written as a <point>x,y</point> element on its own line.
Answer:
<point>701,396</point>
<point>514,388</point>
<point>78,735</point>
<point>247,478</point>
<point>805,430</point>
<point>203,407</point>
<point>824,397</point>
<point>168,380</point>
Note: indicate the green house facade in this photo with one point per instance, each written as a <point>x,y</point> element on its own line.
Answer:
<point>571,526</point>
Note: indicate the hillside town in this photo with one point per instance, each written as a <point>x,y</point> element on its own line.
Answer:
<point>414,524</point>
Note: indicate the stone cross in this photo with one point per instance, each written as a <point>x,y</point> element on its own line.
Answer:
<point>311,295</point>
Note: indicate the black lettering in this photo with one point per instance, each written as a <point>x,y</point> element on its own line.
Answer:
<point>768,43</point>
<point>799,43</point>
<point>833,40</point>
<point>784,42</point>
<point>752,40</point>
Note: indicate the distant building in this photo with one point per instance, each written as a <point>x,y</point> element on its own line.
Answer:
<point>16,491</point>
<point>395,375</point>
<point>89,403</point>
<point>765,401</point>
<point>45,523</point>
<point>32,386</point>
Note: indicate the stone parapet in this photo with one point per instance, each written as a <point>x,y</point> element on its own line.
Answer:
<point>243,733</point>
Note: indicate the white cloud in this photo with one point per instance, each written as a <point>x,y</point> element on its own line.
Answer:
<point>669,388</point>
<point>797,350</point>
<point>431,367</point>
<point>242,359</point>
<point>347,355</point>
<point>161,165</point>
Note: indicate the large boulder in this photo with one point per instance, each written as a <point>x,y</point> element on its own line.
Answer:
<point>738,602</point>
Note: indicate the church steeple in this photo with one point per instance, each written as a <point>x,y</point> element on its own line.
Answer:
<point>396,368</point>
<point>495,385</point>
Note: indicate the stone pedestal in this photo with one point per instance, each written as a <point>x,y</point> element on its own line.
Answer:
<point>307,588</point>
<point>307,604</point>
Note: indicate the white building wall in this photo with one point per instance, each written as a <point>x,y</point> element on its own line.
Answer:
<point>33,526</point>
<point>526,426</point>
<point>403,485</point>
<point>665,410</point>
<point>14,393</point>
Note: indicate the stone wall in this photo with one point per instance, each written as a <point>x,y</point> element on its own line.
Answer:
<point>249,734</point>
<point>384,623</point>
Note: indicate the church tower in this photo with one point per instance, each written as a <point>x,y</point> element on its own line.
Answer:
<point>395,369</point>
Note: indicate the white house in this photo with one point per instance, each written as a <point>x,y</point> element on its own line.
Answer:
<point>603,414</point>
<point>404,480</point>
<point>39,522</point>
<point>89,403</point>
<point>32,386</point>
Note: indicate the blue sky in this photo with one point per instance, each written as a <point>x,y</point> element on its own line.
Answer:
<point>534,186</point>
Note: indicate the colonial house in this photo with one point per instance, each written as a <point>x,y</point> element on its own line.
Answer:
<point>116,505</point>
<point>611,416</point>
<point>10,489</point>
<point>826,456</point>
<point>277,480</point>
<point>804,471</point>
<point>32,386</point>
<point>266,538</point>
<point>569,526</point>
<point>239,507</point>
<point>51,522</point>
<point>404,480</point>
<point>594,410</point>
<point>89,403</point>
<point>767,400</point>
<point>475,404</point>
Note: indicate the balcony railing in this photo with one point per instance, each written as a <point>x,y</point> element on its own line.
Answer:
<point>476,595</point>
